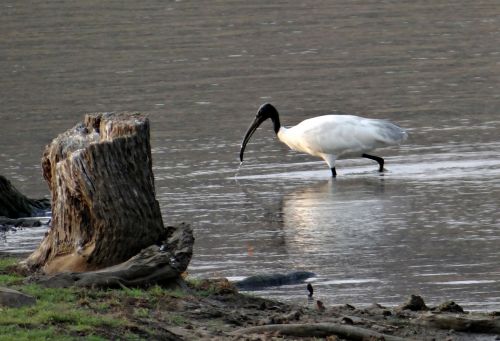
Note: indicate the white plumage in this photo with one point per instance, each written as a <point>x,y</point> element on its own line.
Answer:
<point>331,137</point>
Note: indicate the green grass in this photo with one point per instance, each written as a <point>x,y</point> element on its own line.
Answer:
<point>9,280</point>
<point>61,314</point>
<point>159,292</point>
<point>17,333</point>
<point>78,313</point>
<point>141,312</point>
<point>7,262</point>
<point>176,319</point>
<point>68,295</point>
<point>134,293</point>
<point>49,313</point>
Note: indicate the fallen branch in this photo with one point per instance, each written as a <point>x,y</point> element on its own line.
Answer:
<point>319,330</point>
<point>153,265</point>
<point>460,323</point>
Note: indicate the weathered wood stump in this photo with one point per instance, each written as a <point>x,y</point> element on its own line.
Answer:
<point>156,264</point>
<point>14,204</point>
<point>104,209</point>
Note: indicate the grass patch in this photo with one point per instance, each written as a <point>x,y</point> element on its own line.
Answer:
<point>48,313</point>
<point>62,314</point>
<point>10,280</point>
<point>103,306</point>
<point>53,295</point>
<point>6,263</point>
<point>159,292</point>
<point>141,312</point>
<point>134,292</point>
<point>17,333</point>
<point>92,314</point>
<point>8,274</point>
<point>176,319</point>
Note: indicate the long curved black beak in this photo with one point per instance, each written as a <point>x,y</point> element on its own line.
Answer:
<point>255,124</point>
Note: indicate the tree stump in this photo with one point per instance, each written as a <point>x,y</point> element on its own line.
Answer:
<point>104,209</point>
<point>156,264</point>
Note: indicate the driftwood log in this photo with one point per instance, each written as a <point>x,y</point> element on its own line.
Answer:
<point>104,209</point>
<point>156,264</point>
<point>319,330</point>
<point>460,322</point>
<point>14,204</point>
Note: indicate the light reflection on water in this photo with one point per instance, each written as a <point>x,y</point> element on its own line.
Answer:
<point>371,237</point>
<point>428,225</point>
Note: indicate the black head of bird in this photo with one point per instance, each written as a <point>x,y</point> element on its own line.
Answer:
<point>265,112</point>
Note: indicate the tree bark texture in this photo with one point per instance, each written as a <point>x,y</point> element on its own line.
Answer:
<point>156,264</point>
<point>103,199</point>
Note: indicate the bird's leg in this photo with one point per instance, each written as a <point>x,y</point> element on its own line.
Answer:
<point>334,172</point>
<point>376,158</point>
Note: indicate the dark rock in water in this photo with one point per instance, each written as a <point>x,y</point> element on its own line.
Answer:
<point>29,223</point>
<point>259,282</point>
<point>450,307</point>
<point>14,204</point>
<point>6,227</point>
<point>414,303</point>
<point>8,224</point>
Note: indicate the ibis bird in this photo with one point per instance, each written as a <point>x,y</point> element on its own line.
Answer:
<point>331,137</point>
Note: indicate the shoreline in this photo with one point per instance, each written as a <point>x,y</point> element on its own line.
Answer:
<point>301,301</point>
<point>206,309</point>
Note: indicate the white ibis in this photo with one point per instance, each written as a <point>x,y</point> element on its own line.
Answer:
<point>331,137</point>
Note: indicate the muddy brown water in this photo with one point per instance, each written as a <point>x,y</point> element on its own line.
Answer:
<point>200,69</point>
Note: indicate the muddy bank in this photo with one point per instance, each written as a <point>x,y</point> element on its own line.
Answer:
<point>213,309</point>
<point>233,315</point>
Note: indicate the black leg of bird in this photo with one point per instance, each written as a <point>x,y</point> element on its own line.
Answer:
<point>376,158</point>
<point>334,173</point>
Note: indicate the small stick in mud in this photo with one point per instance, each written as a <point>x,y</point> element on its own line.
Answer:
<point>310,289</point>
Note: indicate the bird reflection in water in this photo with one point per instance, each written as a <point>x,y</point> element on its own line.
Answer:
<point>320,220</point>
<point>333,217</point>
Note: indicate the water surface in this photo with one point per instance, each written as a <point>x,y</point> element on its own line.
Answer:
<point>429,225</point>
